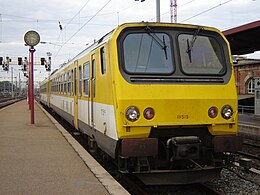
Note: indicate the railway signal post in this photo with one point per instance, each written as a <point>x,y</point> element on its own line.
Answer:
<point>31,38</point>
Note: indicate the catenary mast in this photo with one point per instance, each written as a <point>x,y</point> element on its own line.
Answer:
<point>173,10</point>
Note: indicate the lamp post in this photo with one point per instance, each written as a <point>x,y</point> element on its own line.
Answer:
<point>31,39</point>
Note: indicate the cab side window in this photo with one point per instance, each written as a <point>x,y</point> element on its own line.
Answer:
<point>103,60</point>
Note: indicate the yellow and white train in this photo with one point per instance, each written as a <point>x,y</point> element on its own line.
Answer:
<point>159,98</point>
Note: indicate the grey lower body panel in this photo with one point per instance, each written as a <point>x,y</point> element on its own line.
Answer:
<point>107,144</point>
<point>104,142</point>
<point>68,117</point>
<point>43,102</point>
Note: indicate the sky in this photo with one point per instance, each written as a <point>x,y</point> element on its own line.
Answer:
<point>84,21</point>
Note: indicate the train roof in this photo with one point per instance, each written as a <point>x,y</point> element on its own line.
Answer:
<point>106,37</point>
<point>92,47</point>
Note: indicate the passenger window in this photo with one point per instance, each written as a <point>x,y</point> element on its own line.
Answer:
<point>86,78</point>
<point>69,82</point>
<point>61,82</point>
<point>72,82</point>
<point>75,81</point>
<point>65,83</point>
<point>80,81</point>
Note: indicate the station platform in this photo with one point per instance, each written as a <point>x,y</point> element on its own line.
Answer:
<point>44,159</point>
<point>249,126</point>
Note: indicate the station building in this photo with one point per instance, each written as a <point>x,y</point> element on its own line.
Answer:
<point>244,40</point>
<point>246,70</point>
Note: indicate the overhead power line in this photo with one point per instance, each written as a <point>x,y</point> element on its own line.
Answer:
<point>206,10</point>
<point>82,27</point>
<point>72,19</point>
<point>87,22</point>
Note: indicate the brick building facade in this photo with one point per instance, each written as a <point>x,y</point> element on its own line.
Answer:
<point>245,72</point>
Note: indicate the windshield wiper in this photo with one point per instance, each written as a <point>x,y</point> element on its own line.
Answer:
<point>158,40</point>
<point>190,44</point>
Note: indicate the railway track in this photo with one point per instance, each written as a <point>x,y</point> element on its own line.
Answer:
<point>251,150</point>
<point>4,99</point>
<point>247,161</point>
<point>192,189</point>
<point>8,101</point>
<point>209,190</point>
<point>130,182</point>
<point>253,156</point>
<point>135,187</point>
<point>256,145</point>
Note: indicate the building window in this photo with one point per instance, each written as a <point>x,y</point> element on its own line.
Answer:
<point>251,86</point>
<point>257,94</point>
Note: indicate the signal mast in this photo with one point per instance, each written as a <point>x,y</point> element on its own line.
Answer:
<point>173,10</point>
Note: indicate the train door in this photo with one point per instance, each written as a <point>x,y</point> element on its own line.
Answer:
<point>86,93</point>
<point>257,96</point>
<point>48,92</point>
<point>75,94</point>
<point>92,91</point>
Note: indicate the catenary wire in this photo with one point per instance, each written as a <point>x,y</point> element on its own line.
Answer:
<point>81,27</point>
<point>207,10</point>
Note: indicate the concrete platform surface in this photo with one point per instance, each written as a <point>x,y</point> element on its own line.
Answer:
<point>37,159</point>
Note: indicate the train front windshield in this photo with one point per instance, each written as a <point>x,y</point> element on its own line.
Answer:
<point>200,55</point>
<point>148,53</point>
<point>174,54</point>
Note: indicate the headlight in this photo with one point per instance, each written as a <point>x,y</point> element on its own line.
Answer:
<point>132,113</point>
<point>213,112</point>
<point>149,113</point>
<point>227,112</point>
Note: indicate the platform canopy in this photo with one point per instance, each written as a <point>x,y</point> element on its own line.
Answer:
<point>244,39</point>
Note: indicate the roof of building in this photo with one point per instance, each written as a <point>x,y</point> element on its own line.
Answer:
<point>244,39</point>
<point>241,61</point>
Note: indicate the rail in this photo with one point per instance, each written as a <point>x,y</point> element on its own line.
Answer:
<point>8,101</point>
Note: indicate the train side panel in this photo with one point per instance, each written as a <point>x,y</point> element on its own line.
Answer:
<point>96,109</point>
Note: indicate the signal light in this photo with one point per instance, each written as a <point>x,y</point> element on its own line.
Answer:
<point>25,64</point>
<point>20,61</point>
<point>8,60</point>
<point>48,64</point>
<point>43,61</point>
<point>48,67</point>
<point>5,65</point>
